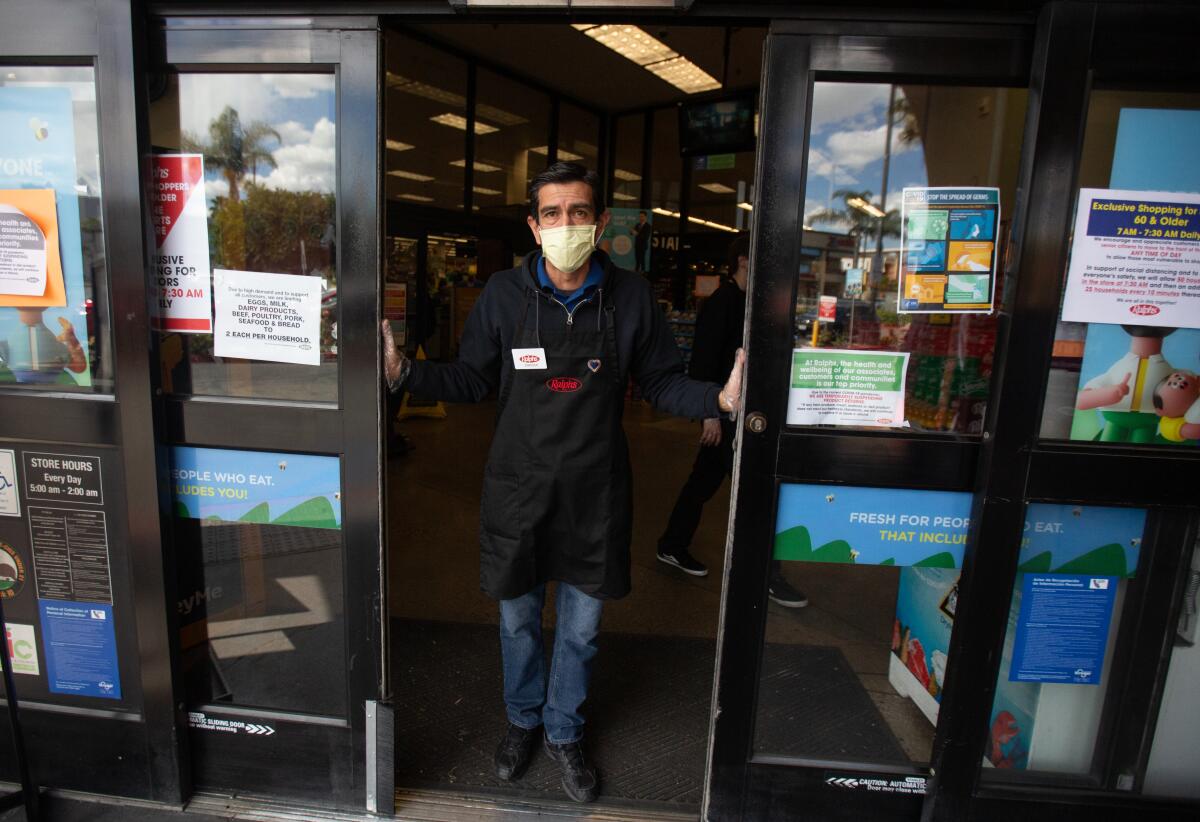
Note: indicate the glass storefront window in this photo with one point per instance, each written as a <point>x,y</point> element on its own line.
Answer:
<point>425,133</point>
<point>1133,383</point>
<point>270,163</point>
<point>868,143</point>
<point>578,135</point>
<point>54,328</point>
<point>1074,567</point>
<point>666,170</point>
<point>512,126</point>
<point>1174,756</point>
<point>627,151</point>
<point>722,192</point>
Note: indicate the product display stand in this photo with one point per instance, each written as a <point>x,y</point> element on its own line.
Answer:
<point>28,795</point>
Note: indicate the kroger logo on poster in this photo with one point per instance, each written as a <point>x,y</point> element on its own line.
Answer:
<point>1083,674</point>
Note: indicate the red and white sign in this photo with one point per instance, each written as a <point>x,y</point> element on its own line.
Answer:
<point>827,310</point>
<point>526,359</point>
<point>182,279</point>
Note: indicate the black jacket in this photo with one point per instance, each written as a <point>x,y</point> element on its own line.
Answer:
<point>718,334</point>
<point>645,345</point>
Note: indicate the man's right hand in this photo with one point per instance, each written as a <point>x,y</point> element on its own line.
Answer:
<point>710,432</point>
<point>392,358</point>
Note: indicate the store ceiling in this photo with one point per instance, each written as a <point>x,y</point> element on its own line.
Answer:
<point>567,61</point>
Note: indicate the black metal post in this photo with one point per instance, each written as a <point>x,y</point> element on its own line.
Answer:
<point>28,795</point>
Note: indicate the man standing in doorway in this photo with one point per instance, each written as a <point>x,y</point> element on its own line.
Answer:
<point>641,241</point>
<point>718,338</point>
<point>558,337</point>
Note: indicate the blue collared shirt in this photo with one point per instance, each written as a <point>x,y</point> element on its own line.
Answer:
<point>595,277</point>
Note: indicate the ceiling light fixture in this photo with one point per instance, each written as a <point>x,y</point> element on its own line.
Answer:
<point>623,197</point>
<point>652,54</point>
<point>419,198</point>
<point>697,220</point>
<point>396,145</point>
<point>563,154</point>
<point>863,205</point>
<point>482,190</point>
<point>745,207</point>
<point>410,175</point>
<point>459,122</point>
<point>486,168</point>
<point>717,188</point>
<point>627,176</point>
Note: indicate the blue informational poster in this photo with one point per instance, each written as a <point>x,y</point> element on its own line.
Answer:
<point>1062,631</point>
<point>43,341</point>
<point>262,487</point>
<point>81,648</point>
<point>871,526</point>
<point>627,238</point>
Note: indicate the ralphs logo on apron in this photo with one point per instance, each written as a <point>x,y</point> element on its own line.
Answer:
<point>563,384</point>
<point>557,497</point>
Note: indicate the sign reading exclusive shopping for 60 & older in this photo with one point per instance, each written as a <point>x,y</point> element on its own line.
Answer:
<point>181,277</point>
<point>832,386</point>
<point>1135,259</point>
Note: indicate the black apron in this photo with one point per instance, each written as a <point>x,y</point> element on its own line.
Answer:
<point>557,498</point>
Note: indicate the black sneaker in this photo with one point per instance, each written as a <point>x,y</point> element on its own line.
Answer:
<point>684,561</point>
<point>781,592</point>
<point>514,752</point>
<point>580,781</point>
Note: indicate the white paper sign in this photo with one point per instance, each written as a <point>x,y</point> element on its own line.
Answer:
<point>529,359</point>
<point>10,502</point>
<point>22,254</point>
<point>22,649</point>
<point>831,386</point>
<point>274,317</point>
<point>181,277</point>
<point>1135,259</point>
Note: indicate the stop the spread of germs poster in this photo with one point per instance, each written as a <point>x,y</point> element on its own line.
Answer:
<point>948,250</point>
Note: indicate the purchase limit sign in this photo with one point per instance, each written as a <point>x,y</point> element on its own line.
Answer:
<point>274,317</point>
<point>181,278</point>
<point>1135,259</point>
<point>832,386</point>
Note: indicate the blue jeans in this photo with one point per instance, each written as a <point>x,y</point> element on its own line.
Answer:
<point>528,699</point>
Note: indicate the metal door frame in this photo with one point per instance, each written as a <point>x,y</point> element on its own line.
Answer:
<point>1005,468</point>
<point>321,759</point>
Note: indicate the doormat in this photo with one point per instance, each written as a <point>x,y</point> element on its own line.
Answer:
<point>648,714</point>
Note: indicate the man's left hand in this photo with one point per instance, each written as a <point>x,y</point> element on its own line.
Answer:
<point>730,398</point>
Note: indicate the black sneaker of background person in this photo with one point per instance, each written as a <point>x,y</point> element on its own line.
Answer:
<point>781,592</point>
<point>514,751</point>
<point>579,780</point>
<point>684,561</point>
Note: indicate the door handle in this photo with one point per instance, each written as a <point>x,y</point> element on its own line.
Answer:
<point>756,422</point>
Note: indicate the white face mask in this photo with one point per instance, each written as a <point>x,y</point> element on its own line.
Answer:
<point>567,247</point>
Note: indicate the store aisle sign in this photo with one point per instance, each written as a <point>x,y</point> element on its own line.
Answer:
<point>948,239</point>
<point>832,386</point>
<point>182,279</point>
<point>260,487</point>
<point>274,317</point>
<point>871,526</point>
<point>1062,630</point>
<point>1135,259</point>
<point>21,645</point>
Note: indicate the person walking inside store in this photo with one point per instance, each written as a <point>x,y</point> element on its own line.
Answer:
<point>558,338</point>
<point>641,242</point>
<point>718,336</point>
